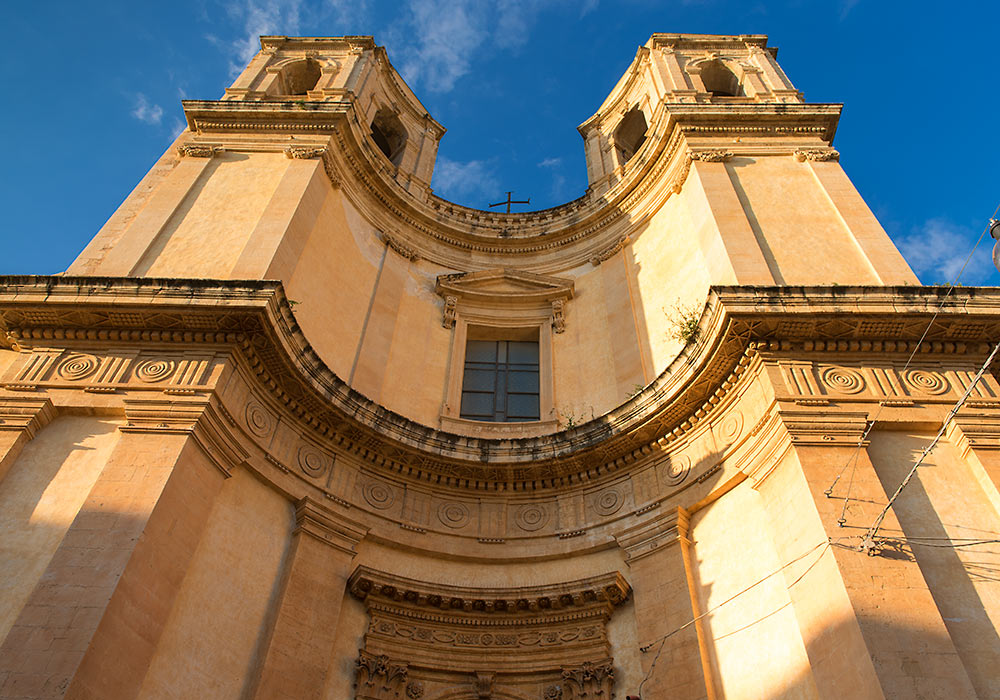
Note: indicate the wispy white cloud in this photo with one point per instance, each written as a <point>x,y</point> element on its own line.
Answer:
<point>937,250</point>
<point>438,39</point>
<point>588,6</point>
<point>455,179</point>
<point>146,111</point>
<point>256,18</point>
<point>550,163</point>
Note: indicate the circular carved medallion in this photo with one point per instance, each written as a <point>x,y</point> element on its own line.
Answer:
<point>843,380</point>
<point>154,370</point>
<point>312,461</point>
<point>609,502</point>
<point>926,382</point>
<point>379,495</point>
<point>259,421</point>
<point>531,517</point>
<point>454,515</point>
<point>77,366</point>
<point>731,428</point>
<point>677,469</point>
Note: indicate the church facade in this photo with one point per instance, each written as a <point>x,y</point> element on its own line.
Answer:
<point>293,426</point>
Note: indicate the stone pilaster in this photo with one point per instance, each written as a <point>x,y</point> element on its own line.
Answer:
<point>663,604</point>
<point>95,618</point>
<point>315,581</point>
<point>850,606</point>
<point>21,417</point>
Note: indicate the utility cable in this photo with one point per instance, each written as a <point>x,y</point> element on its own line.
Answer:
<point>853,459</point>
<point>662,640</point>
<point>868,543</point>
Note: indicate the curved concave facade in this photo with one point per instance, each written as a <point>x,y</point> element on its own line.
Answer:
<point>292,426</point>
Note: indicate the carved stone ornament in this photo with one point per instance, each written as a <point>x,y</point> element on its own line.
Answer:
<point>609,252</point>
<point>304,152</point>
<point>712,156</point>
<point>397,245</point>
<point>817,154</point>
<point>589,680</point>
<point>197,150</point>
<point>558,317</point>
<point>450,311</point>
<point>378,677</point>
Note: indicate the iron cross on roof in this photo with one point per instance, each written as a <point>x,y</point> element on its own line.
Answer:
<point>511,201</point>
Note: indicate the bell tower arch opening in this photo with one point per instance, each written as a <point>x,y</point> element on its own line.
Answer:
<point>720,81</point>
<point>389,134</point>
<point>630,134</point>
<point>300,77</point>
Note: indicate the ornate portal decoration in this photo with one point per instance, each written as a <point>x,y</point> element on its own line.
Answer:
<point>460,641</point>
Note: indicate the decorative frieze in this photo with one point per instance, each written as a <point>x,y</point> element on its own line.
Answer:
<point>304,152</point>
<point>199,150</point>
<point>817,155</point>
<point>714,155</point>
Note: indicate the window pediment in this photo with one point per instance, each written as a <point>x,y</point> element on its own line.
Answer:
<point>502,286</point>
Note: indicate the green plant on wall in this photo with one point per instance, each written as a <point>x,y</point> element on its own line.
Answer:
<point>684,322</point>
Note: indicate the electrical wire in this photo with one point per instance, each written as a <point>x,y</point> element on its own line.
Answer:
<point>853,460</point>
<point>868,543</point>
<point>662,640</point>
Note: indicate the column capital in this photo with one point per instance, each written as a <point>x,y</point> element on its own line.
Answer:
<point>649,537</point>
<point>26,414</point>
<point>327,526</point>
<point>199,417</point>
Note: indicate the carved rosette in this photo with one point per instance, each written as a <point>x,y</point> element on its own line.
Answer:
<point>379,678</point>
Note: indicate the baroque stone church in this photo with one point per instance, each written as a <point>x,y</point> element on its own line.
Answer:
<point>293,426</point>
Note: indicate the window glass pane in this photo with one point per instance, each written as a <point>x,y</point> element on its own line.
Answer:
<point>523,353</point>
<point>481,351</point>
<point>478,380</point>
<point>522,382</point>
<point>522,405</point>
<point>475,404</point>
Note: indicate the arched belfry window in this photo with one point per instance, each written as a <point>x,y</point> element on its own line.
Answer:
<point>300,77</point>
<point>719,81</point>
<point>630,134</point>
<point>389,135</point>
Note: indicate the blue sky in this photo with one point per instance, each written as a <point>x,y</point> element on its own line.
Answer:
<point>93,98</point>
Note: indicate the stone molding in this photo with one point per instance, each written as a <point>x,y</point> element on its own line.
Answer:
<point>200,417</point>
<point>608,589</point>
<point>257,323</point>
<point>327,526</point>
<point>27,415</point>
<point>447,635</point>
<point>659,172</point>
<point>817,155</point>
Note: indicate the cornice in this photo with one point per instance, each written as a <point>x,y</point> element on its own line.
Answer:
<point>609,590</point>
<point>255,320</point>
<point>444,232</point>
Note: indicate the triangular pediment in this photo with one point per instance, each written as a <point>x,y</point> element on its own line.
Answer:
<point>504,284</point>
